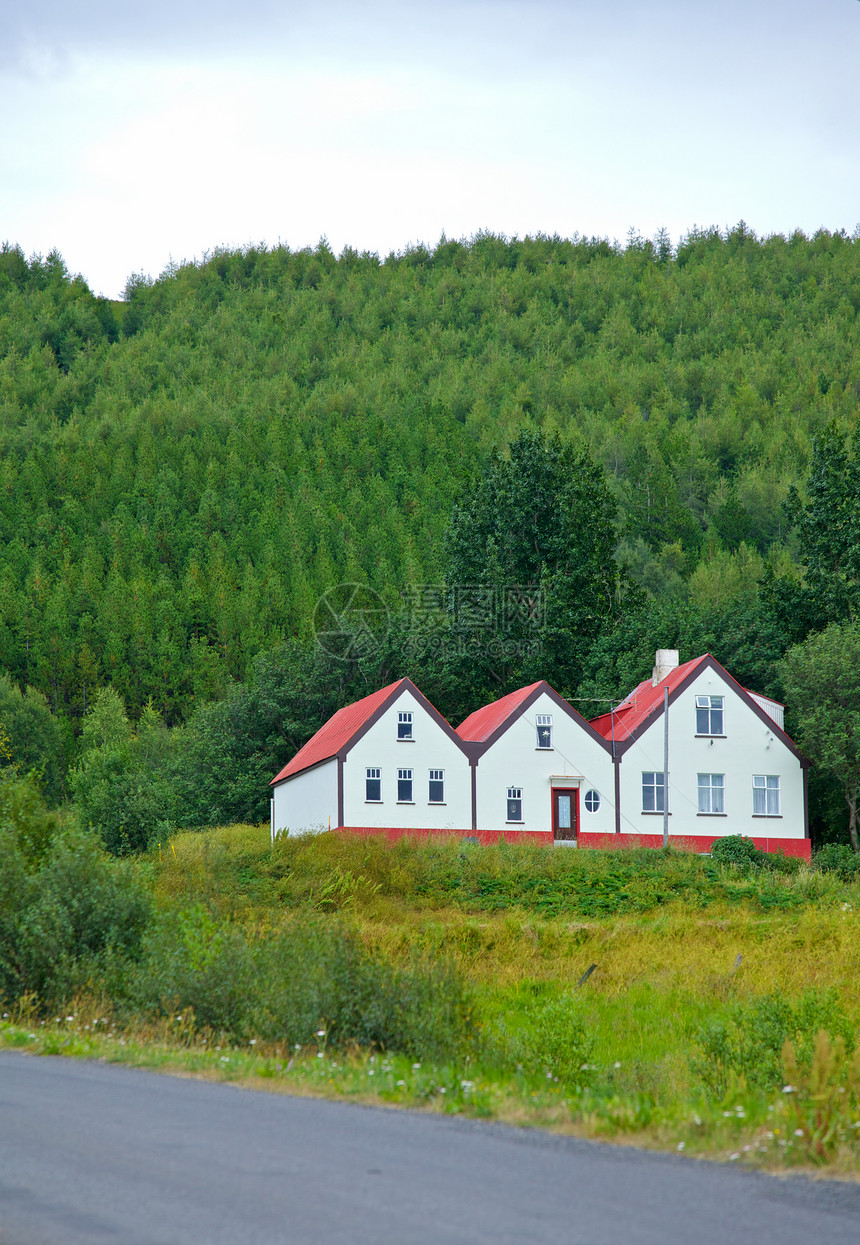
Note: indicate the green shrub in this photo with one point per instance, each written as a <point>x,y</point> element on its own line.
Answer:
<point>286,986</point>
<point>25,815</point>
<point>748,1042</point>
<point>190,961</point>
<point>840,859</point>
<point>66,918</point>
<point>735,849</point>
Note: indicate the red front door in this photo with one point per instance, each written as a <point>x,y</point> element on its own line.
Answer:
<point>565,812</point>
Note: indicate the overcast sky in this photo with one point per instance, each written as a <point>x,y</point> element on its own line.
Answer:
<point>134,135</point>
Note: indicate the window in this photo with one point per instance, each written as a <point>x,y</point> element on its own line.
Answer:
<point>544,730</point>
<point>515,803</point>
<point>373,786</point>
<point>652,792</point>
<point>404,786</point>
<point>712,793</point>
<point>709,715</point>
<point>592,801</point>
<point>766,795</point>
<point>437,786</point>
<point>404,726</point>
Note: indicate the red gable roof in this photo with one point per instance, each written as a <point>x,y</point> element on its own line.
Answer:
<point>641,703</point>
<point>337,732</point>
<point>481,724</point>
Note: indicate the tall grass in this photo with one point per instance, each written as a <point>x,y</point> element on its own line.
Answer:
<point>237,869</point>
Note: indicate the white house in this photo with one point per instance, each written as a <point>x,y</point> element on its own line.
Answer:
<point>541,771</point>
<point>528,767</point>
<point>387,762</point>
<point>732,768</point>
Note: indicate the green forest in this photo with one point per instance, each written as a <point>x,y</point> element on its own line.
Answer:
<point>186,472</point>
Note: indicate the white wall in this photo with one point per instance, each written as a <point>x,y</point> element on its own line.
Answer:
<point>430,749</point>
<point>750,747</point>
<point>514,760</point>
<point>307,801</point>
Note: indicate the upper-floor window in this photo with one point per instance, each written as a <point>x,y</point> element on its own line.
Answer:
<point>712,793</point>
<point>544,730</point>
<point>437,786</point>
<point>652,792</point>
<point>709,715</point>
<point>515,803</point>
<point>766,795</point>
<point>373,785</point>
<point>404,726</point>
<point>404,786</point>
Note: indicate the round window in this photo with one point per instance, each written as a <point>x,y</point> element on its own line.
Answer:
<point>592,801</point>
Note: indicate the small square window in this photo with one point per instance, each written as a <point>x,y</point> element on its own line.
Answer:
<point>709,715</point>
<point>712,793</point>
<point>652,792</point>
<point>766,795</point>
<point>373,786</point>
<point>437,786</point>
<point>543,723</point>
<point>515,803</point>
<point>404,786</point>
<point>404,726</point>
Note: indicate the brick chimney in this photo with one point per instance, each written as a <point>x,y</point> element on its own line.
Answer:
<point>665,661</point>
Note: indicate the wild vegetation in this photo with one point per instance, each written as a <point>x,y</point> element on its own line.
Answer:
<point>678,1002</point>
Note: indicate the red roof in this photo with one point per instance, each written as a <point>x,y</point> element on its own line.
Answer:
<point>481,724</point>
<point>337,732</point>
<point>641,703</point>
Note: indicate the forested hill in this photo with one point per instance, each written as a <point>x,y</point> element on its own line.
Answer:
<point>185,473</point>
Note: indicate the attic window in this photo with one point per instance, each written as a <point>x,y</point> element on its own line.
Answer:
<point>543,722</point>
<point>709,715</point>
<point>404,726</point>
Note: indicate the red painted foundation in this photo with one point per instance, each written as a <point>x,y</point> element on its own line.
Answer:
<point>605,842</point>
<point>481,836</point>
<point>693,843</point>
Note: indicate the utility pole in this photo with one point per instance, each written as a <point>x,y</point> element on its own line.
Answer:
<point>666,766</point>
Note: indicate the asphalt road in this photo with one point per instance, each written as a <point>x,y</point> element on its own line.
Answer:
<point>91,1153</point>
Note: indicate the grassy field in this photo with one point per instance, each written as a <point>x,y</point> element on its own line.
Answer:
<point>661,999</point>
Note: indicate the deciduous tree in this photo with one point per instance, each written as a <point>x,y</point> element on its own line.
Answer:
<point>822,683</point>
